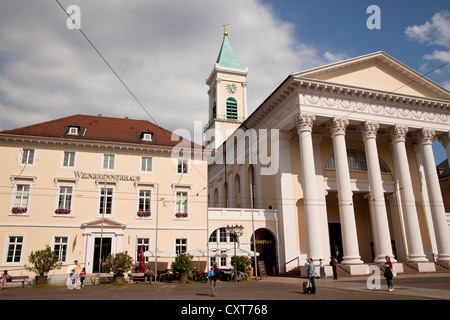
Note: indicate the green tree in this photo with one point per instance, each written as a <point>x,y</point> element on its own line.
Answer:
<point>183,264</point>
<point>243,263</point>
<point>43,261</point>
<point>118,263</point>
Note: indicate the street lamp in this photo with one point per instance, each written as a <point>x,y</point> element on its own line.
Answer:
<point>234,232</point>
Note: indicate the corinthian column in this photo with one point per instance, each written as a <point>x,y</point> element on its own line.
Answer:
<point>377,204</point>
<point>408,202</point>
<point>338,127</point>
<point>425,139</point>
<point>304,123</point>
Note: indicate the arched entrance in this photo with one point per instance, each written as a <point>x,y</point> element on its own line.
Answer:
<point>266,247</point>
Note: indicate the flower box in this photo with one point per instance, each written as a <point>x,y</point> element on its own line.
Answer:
<point>181,214</point>
<point>144,213</point>
<point>19,210</point>
<point>62,211</point>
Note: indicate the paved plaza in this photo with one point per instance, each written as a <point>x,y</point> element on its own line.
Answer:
<point>275,292</point>
<point>407,287</point>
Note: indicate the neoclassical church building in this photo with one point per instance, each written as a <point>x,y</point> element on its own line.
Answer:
<point>351,171</point>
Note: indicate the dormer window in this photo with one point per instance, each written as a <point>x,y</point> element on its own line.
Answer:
<point>73,130</point>
<point>147,136</point>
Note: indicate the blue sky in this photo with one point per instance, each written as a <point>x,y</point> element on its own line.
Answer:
<point>164,51</point>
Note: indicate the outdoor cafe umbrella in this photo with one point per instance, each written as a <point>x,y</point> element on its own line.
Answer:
<point>241,252</point>
<point>160,253</point>
<point>141,260</point>
<point>197,252</point>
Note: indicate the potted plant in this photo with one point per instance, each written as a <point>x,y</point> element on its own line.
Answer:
<point>183,265</point>
<point>42,262</point>
<point>144,213</point>
<point>62,211</point>
<point>243,264</point>
<point>19,210</point>
<point>181,214</point>
<point>118,264</point>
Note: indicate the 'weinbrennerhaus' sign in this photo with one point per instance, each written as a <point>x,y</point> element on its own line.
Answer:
<point>106,176</point>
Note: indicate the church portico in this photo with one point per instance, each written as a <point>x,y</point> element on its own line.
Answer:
<point>356,176</point>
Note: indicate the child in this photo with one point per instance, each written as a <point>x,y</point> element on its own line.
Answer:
<point>82,276</point>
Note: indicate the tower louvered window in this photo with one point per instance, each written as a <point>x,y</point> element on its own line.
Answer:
<point>232,113</point>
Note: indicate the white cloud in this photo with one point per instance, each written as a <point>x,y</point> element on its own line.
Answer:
<point>436,32</point>
<point>163,51</point>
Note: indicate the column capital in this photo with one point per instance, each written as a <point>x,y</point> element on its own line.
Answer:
<point>304,122</point>
<point>399,132</point>
<point>369,129</point>
<point>445,140</point>
<point>425,136</point>
<point>338,126</point>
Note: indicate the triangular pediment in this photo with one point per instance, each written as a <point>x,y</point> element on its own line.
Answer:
<point>377,71</point>
<point>107,223</point>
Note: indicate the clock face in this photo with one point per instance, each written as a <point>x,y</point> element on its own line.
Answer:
<point>231,88</point>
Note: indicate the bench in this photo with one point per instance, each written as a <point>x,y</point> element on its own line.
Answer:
<point>138,277</point>
<point>92,277</point>
<point>19,278</point>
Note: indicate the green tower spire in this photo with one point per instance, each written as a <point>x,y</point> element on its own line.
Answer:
<point>227,57</point>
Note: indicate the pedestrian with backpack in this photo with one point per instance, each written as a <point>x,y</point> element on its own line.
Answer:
<point>212,275</point>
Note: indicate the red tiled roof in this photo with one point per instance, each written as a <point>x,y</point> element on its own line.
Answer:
<point>99,128</point>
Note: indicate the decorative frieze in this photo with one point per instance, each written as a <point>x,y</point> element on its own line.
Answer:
<point>400,107</point>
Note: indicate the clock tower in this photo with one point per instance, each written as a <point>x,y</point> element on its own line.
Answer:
<point>227,94</point>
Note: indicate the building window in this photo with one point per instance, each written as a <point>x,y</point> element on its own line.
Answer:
<point>356,162</point>
<point>27,156</point>
<point>232,113</point>
<point>145,243</point>
<point>214,111</point>
<point>106,197</point>
<point>65,200</point>
<point>69,159</point>
<point>14,249</point>
<point>237,185</point>
<point>145,203</point>
<point>22,197</point>
<point>108,161</point>
<point>182,167</point>
<point>180,245</point>
<point>147,136</point>
<point>73,131</point>
<point>181,204</point>
<point>222,235</point>
<point>146,164</point>
<point>60,248</point>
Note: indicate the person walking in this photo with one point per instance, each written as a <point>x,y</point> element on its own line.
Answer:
<point>333,264</point>
<point>388,274</point>
<point>312,274</point>
<point>322,269</point>
<point>213,275</point>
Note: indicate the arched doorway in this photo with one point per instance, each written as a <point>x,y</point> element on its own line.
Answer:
<point>266,247</point>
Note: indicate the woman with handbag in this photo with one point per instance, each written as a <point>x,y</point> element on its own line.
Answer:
<point>388,274</point>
